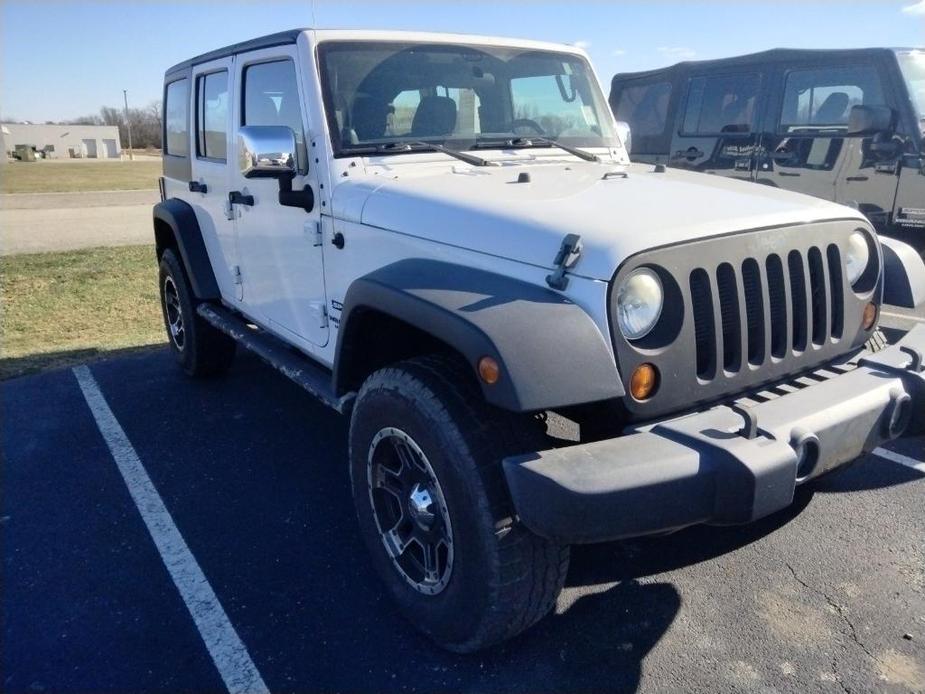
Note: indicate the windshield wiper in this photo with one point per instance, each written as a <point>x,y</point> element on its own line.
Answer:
<point>420,146</point>
<point>462,156</point>
<point>527,142</point>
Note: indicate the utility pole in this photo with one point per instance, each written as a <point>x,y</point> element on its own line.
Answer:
<point>128,124</point>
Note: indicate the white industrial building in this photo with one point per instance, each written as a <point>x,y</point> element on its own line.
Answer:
<point>63,141</point>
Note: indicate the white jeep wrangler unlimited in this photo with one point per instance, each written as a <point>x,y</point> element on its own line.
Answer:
<point>442,236</point>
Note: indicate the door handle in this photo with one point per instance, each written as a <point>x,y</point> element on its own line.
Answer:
<point>236,197</point>
<point>857,178</point>
<point>197,187</point>
<point>781,156</point>
<point>691,153</point>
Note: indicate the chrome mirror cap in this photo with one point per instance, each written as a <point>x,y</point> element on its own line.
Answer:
<point>267,151</point>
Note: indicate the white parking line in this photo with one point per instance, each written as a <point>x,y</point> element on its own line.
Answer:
<point>899,458</point>
<point>231,658</point>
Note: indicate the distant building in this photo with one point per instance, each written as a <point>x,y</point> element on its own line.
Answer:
<point>62,141</point>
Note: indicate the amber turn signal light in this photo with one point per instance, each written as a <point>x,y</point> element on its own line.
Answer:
<point>643,381</point>
<point>489,371</point>
<point>870,316</point>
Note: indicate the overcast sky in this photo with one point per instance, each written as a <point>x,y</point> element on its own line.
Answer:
<point>61,60</point>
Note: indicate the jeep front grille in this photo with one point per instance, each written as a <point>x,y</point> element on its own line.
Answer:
<point>758,307</point>
<point>767,308</point>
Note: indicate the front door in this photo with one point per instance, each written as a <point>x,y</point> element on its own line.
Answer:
<point>716,132</point>
<point>281,260</point>
<point>806,147</point>
<point>909,211</point>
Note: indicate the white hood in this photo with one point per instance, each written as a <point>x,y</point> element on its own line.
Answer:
<point>487,210</point>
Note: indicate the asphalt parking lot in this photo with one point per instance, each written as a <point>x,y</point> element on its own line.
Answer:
<point>250,472</point>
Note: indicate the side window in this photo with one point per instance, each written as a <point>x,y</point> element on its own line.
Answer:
<point>556,103</point>
<point>176,120</point>
<point>212,115</point>
<point>404,106</point>
<point>271,96</point>
<point>645,107</point>
<point>721,104</point>
<point>821,99</point>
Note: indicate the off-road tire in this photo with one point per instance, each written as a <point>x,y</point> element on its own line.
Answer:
<point>504,578</point>
<point>203,350</point>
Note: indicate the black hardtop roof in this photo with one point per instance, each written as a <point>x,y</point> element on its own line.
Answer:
<point>278,39</point>
<point>774,55</point>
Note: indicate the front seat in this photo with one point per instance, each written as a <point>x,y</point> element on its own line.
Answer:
<point>435,115</point>
<point>832,111</point>
<point>369,117</point>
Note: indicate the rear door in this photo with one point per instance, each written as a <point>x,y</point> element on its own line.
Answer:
<point>648,105</point>
<point>716,131</point>
<point>210,97</point>
<point>806,147</point>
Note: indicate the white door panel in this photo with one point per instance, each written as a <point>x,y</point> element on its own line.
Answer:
<point>210,169</point>
<point>282,267</point>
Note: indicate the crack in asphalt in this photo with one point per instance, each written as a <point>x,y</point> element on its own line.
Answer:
<point>840,611</point>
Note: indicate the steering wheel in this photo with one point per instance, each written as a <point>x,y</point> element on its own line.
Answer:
<point>526,123</point>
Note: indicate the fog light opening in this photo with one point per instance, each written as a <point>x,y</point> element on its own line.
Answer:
<point>806,447</point>
<point>643,382</point>
<point>869,317</point>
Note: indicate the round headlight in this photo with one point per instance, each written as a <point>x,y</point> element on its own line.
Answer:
<point>639,303</point>
<point>857,256</point>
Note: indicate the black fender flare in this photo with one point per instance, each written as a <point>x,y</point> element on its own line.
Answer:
<point>903,274</point>
<point>180,218</point>
<point>550,351</point>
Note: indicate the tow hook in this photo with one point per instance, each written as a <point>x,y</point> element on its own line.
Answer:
<point>806,446</point>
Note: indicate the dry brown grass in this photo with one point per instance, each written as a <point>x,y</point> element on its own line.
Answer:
<point>64,308</point>
<point>78,176</point>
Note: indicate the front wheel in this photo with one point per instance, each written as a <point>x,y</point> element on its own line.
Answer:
<point>434,511</point>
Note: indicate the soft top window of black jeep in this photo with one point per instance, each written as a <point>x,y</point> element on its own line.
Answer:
<point>912,65</point>
<point>379,93</point>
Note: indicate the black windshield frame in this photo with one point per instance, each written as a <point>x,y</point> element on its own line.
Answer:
<point>600,108</point>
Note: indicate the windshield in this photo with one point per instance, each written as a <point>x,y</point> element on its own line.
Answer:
<point>380,95</point>
<point>912,65</point>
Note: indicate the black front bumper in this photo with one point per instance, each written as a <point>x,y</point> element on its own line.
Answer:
<point>726,465</point>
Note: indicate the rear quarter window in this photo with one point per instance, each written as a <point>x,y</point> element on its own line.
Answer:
<point>645,107</point>
<point>176,118</point>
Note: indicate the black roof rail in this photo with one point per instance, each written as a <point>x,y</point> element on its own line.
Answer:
<point>281,38</point>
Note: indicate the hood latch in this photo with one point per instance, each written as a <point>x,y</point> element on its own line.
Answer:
<point>568,255</point>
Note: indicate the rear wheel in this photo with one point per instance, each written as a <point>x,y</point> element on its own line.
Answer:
<point>198,347</point>
<point>434,511</point>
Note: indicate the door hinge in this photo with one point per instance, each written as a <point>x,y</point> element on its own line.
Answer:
<point>236,273</point>
<point>314,228</point>
<point>320,311</point>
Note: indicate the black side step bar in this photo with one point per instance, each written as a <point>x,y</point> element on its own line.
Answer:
<point>296,367</point>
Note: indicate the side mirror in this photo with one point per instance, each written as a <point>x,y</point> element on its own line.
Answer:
<point>869,120</point>
<point>267,151</point>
